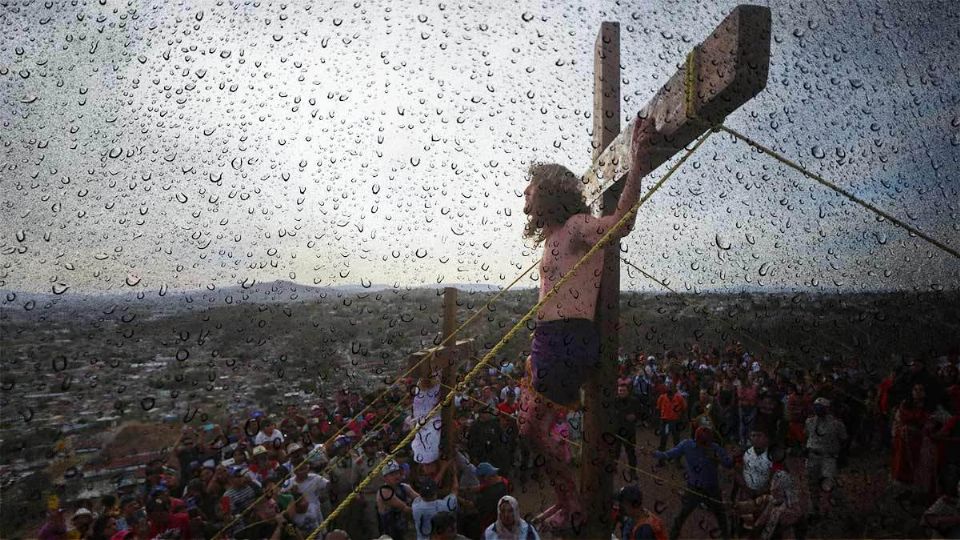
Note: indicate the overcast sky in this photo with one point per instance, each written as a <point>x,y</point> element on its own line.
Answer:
<point>195,143</point>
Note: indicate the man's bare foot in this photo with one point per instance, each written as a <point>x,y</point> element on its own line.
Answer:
<point>564,520</point>
<point>545,514</point>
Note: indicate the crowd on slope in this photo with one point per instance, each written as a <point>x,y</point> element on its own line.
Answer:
<point>277,474</point>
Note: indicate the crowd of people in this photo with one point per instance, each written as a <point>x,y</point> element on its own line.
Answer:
<point>279,474</point>
<point>778,427</point>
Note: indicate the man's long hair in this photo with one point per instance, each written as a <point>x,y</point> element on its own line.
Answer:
<point>558,197</point>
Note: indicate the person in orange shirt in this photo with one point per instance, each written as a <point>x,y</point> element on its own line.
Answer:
<point>637,521</point>
<point>671,407</point>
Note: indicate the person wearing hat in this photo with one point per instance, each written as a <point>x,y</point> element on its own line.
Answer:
<point>296,456</point>
<point>825,436</point>
<point>82,522</point>
<point>262,464</point>
<point>344,474</point>
<point>393,502</point>
<point>636,521</point>
<point>701,455</point>
<point>427,505</point>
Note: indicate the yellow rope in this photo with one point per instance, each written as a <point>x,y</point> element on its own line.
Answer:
<point>838,189</point>
<point>742,333</point>
<point>678,485</point>
<point>607,238</point>
<point>426,357</point>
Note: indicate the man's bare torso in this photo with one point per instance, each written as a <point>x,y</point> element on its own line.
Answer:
<point>577,298</point>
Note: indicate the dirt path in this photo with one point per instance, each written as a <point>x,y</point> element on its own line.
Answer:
<point>865,503</point>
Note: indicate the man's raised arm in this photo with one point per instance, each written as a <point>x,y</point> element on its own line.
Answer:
<point>591,228</point>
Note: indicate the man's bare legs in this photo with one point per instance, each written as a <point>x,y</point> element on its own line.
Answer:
<point>536,419</point>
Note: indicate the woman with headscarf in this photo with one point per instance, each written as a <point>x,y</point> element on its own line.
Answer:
<point>509,524</point>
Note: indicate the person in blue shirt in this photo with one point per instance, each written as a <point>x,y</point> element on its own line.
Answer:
<point>701,455</point>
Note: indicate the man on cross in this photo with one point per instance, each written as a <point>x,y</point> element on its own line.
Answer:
<point>566,345</point>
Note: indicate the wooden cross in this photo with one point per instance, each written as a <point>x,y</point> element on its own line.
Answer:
<point>719,75</point>
<point>445,361</point>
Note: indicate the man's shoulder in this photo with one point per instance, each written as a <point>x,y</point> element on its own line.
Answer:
<point>579,219</point>
<point>574,224</point>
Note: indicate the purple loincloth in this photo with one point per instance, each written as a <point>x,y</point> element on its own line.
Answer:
<point>563,353</point>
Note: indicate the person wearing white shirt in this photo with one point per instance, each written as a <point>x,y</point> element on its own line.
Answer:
<point>268,435</point>
<point>427,505</point>
<point>756,463</point>
<point>315,488</point>
<point>506,390</point>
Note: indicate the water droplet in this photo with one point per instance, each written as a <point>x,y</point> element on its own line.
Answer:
<point>721,243</point>
<point>60,288</point>
<point>764,269</point>
<point>818,152</point>
<point>421,253</point>
<point>132,280</point>
<point>527,16</point>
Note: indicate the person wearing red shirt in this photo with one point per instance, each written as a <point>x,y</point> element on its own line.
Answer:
<point>165,524</point>
<point>508,407</point>
<point>883,408</point>
<point>671,407</point>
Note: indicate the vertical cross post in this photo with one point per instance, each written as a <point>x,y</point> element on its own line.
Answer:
<point>449,357</point>
<point>596,482</point>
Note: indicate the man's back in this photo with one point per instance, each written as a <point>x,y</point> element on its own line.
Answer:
<point>701,462</point>
<point>423,512</point>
